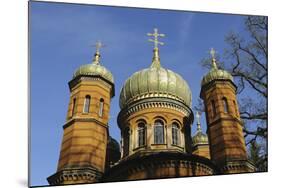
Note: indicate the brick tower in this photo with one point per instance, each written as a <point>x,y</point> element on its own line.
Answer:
<point>225,129</point>
<point>84,144</point>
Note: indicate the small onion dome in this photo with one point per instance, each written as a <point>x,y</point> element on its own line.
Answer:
<point>200,138</point>
<point>155,81</point>
<point>113,151</point>
<point>113,144</point>
<point>94,69</point>
<point>216,74</point>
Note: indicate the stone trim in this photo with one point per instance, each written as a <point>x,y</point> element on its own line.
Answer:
<point>88,174</point>
<point>72,83</point>
<point>154,103</point>
<point>75,119</point>
<point>238,165</point>
<point>204,88</point>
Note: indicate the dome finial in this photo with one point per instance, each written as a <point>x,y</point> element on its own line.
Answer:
<point>213,53</point>
<point>96,59</point>
<point>156,58</point>
<point>198,122</point>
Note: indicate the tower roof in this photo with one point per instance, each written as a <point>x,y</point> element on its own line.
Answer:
<point>155,81</point>
<point>95,68</point>
<point>215,73</point>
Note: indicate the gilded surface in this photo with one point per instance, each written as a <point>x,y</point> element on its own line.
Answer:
<point>155,82</point>
<point>216,74</point>
<point>94,70</point>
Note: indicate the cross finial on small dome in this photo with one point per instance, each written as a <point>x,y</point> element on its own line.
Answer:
<point>98,46</point>
<point>213,54</point>
<point>198,121</point>
<point>156,58</point>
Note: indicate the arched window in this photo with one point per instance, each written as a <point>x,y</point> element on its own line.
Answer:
<point>225,105</point>
<point>126,139</point>
<point>87,103</point>
<point>101,107</point>
<point>141,134</point>
<point>235,107</point>
<point>158,132</point>
<point>175,134</point>
<point>214,108</point>
<point>73,106</point>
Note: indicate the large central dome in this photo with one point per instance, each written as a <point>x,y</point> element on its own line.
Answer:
<point>155,82</point>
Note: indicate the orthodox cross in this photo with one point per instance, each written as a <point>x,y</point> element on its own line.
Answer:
<point>99,45</point>
<point>198,121</point>
<point>155,40</point>
<point>213,53</point>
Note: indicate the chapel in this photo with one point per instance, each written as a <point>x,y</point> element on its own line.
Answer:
<point>155,122</point>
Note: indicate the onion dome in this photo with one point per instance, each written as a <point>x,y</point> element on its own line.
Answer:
<point>155,81</point>
<point>215,73</point>
<point>113,144</point>
<point>199,137</point>
<point>113,151</point>
<point>95,69</point>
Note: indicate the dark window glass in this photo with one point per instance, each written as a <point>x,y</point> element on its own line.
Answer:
<point>225,105</point>
<point>214,108</point>
<point>158,132</point>
<point>87,104</point>
<point>141,134</point>
<point>101,107</point>
<point>73,107</point>
<point>175,134</point>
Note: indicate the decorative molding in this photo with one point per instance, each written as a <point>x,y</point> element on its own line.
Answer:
<point>154,103</point>
<point>79,119</point>
<point>238,165</point>
<point>86,174</point>
<point>72,83</point>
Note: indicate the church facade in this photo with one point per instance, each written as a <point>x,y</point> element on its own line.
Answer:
<point>155,123</point>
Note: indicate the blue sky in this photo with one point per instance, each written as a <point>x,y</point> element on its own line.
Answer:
<point>61,36</point>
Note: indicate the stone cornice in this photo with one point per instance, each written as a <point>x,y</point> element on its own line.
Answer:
<point>209,85</point>
<point>80,119</point>
<point>154,103</point>
<point>72,83</point>
<point>161,159</point>
<point>87,174</point>
<point>238,165</point>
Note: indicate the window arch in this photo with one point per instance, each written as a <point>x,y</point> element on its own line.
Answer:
<point>159,132</point>
<point>73,107</point>
<point>126,139</point>
<point>235,107</point>
<point>101,107</point>
<point>213,108</point>
<point>87,103</point>
<point>175,134</point>
<point>141,134</point>
<point>225,105</point>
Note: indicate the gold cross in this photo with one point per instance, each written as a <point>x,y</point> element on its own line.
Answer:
<point>155,40</point>
<point>98,46</point>
<point>213,53</point>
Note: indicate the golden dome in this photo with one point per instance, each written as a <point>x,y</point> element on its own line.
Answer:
<point>216,74</point>
<point>94,69</point>
<point>155,82</point>
<point>200,138</point>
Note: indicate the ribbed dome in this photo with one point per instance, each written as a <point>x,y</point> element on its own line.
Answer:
<point>216,73</point>
<point>200,138</point>
<point>94,69</point>
<point>155,82</point>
